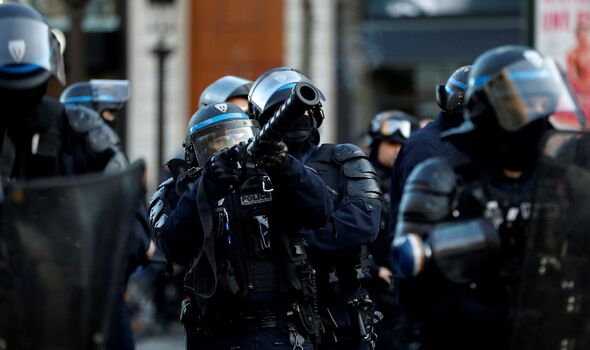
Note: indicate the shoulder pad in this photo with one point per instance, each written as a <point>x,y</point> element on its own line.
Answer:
<point>435,175</point>
<point>368,188</point>
<point>356,168</point>
<point>82,119</point>
<point>100,136</point>
<point>345,151</point>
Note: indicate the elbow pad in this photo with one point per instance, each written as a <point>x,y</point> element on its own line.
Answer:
<point>101,139</point>
<point>361,177</point>
<point>427,196</point>
<point>159,206</point>
<point>460,250</point>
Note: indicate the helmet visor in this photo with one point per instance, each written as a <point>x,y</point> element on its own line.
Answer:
<point>216,137</point>
<point>30,46</point>
<point>104,90</point>
<point>266,87</point>
<point>525,91</point>
<point>391,126</point>
<point>110,94</point>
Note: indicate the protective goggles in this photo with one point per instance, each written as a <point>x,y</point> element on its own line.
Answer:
<point>391,126</point>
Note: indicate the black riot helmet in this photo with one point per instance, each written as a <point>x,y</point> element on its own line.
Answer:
<point>29,51</point>
<point>450,96</point>
<point>272,89</point>
<point>219,126</point>
<point>392,125</point>
<point>98,94</point>
<point>223,89</point>
<point>513,92</point>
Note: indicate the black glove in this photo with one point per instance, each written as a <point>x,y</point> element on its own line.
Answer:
<point>221,171</point>
<point>272,156</point>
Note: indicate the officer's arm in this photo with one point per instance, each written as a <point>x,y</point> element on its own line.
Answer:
<point>357,217</point>
<point>178,231</point>
<point>413,152</point>
<point>103,148</point>
<point>300,189</point>
<point>427,237</point>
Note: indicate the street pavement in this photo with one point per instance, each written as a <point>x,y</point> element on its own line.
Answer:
<point>171,340</point>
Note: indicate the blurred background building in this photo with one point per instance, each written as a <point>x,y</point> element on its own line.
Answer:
<point>366,56</point>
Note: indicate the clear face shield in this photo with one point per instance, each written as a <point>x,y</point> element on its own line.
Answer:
<point>521,94</point>
<point>30,46</point>
<point>210,139</point>
<point>110,94</point>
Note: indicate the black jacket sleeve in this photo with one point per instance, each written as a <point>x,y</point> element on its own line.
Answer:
<point>300,192</point>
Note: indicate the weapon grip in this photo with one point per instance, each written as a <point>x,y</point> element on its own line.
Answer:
<point>303,97</point>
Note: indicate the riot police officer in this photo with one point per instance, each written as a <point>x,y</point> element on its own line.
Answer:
<point>338,250</point>
<point>250,285</point>
<point>181,173</point>
<point>462,278</point>
<point>41,137</point>
<point>107,97</point>
<point>388,132</point>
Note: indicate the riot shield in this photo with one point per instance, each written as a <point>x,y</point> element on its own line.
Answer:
<point>63,248</point>
<point>553,310</point>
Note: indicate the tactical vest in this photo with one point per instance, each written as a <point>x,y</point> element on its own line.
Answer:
<point>256,262</point>
<point>508,209</point>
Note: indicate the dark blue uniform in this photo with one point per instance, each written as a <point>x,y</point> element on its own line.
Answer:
<point>338,251</point>
<point>467,241</point>
<point>255,317</point>
<point>460,303</point>
<point>305,204</point>
<point>424,144</point>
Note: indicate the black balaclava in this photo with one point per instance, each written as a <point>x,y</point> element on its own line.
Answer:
<point>19,106</point>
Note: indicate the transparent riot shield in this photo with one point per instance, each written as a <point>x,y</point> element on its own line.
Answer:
<point>553,310</point>
<point>63,248</point>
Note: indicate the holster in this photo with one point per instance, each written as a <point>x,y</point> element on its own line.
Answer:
<point>356,315</point>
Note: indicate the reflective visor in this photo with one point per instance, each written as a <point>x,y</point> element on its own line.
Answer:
<point>30,46</point>
<point>525,91</point>
<point>210,139</point>
<point>278,80</point>
<point>116,91</point>
<point>391,126</point>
